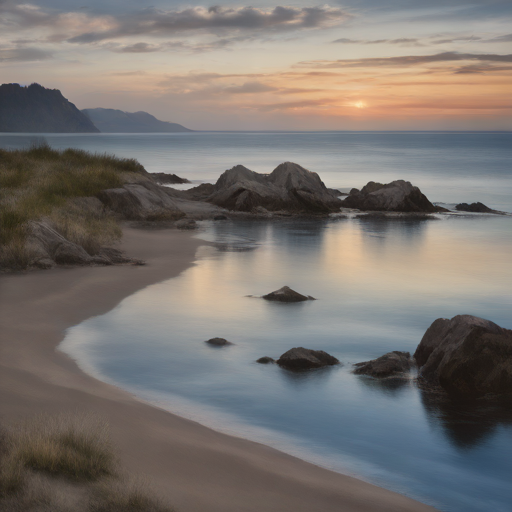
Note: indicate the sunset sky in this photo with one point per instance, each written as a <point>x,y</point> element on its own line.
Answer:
<point>348,65</point>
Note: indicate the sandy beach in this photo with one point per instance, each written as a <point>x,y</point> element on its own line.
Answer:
<point>193,467</point>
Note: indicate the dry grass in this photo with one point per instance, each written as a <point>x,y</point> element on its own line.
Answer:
<point>66,464</point>
<point>76,448</point>
<point>40,182</point>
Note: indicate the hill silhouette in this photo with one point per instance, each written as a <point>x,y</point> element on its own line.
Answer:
<point>109,120</point>
<point>39,110</point>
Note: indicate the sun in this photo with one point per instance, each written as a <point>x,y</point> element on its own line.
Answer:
<point>359,104</point>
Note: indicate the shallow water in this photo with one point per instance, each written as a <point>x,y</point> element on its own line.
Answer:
<point>379,285</point>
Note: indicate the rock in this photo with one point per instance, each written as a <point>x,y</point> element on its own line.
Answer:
<point>172,179</point>
<point>289,187</point>
<point>286,294</point>
<point>265,360</point>
<point>389,365</point>
<point>141,201</point>
<point>397,196</point>
<point>475,208</point>
<point>337,192</point>
<point>218,342</point>
<point>220,217</point>
<point>186,224</point>
<point>115,255</point>
<point>46,245</point>
<point>466,356</point>
<point>303,359</point>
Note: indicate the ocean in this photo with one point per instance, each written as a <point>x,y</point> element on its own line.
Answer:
<point>379,284</point>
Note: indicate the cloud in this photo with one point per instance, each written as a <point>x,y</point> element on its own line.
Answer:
<point>501,39</point>
<point>405,61</point>
<point>475,69</point>
<point>401,41</point>
<point>294,105</point>
<point>23,55</point>
<point>250,88</point>
<point>139,48</point>
<point>159,23</point>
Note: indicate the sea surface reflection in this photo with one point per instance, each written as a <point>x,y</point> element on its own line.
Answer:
<point>379,285</point>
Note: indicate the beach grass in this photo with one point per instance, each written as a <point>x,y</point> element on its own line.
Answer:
<point>41,182</point>
<point>67,462</point>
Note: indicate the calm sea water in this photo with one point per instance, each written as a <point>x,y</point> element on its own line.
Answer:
<point>379,285</point>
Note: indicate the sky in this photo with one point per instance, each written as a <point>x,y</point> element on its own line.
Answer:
<point>346,65</point>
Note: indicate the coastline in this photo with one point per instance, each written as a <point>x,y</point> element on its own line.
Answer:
<point>194,467</point>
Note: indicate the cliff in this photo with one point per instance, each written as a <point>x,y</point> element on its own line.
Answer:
<point>109,120</point>
<point>39,110</point>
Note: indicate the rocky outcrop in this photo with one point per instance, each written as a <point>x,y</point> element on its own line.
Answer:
<point>397,196</point>
<point>289,187</point>
<point>286,294</point>
<point>48,248</point>
<point>300,358</point>
<point>168,179</point>
<point>466,356</point>
<point>475,208</point>
<point>141,201</point>
<point>218,342</point>
<point>266,360</point>
<point>392,364</point>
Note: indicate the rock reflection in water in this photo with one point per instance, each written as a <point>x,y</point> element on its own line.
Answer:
<point>467,424</point>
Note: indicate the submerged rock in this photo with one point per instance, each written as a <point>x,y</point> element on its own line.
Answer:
<point>389,365</point>
<point>266,360</point>
<point>474,208</point>
<point>286,294</point>
<point>218,342</point>
<point>289,187</point>
<point>186,224</point>
<point>397,196</point>
<point>466,355</point>
<point>300,358</point>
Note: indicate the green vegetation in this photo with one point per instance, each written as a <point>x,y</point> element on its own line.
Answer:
<point>64,464</point>
<point>41,182</point>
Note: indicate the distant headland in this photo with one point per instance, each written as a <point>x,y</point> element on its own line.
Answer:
<point>36,109</point>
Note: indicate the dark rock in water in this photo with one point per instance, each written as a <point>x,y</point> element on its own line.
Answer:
<point>186,224</point>
<point>289,187</point>
<point>141,201</point>
<point>286,294</point>
<point>220,217</point>
<point>475,208</point>
<point>218,342</point>
<point>389,365</point>
<point>300,358</point>
<point>466,356</point>
<point>265,360</point>
<point>397,196</point>
<point>171,179</point>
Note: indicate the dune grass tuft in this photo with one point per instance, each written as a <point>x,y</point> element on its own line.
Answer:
<point>41,182</point>
<point>75,448</point>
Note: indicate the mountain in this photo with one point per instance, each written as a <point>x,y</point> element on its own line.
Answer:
<point>109,120</point>
<point>39,110</point>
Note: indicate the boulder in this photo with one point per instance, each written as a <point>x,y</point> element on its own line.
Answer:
<point>300,358</point>
<point>397,196</point>
<point>170,179</point>
<point>475,208</point>
<point>186,224</point>
<point>391,364</point>
<point>47,245</point>
<point>218,342</point>
<point>265,360</point>
<point>286,294</point>
<point>466,356</point>
<point>141,201</point>
<point>289,187</point>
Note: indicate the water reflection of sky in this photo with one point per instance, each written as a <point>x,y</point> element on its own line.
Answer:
<point>379,285</point>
